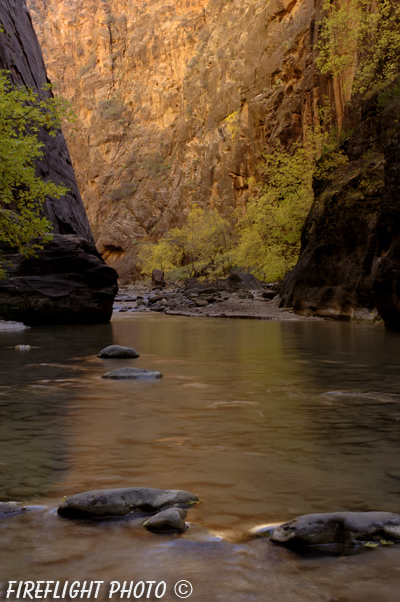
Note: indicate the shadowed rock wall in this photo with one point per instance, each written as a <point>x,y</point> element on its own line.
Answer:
<point>69,281</point>
<point>350,254</point>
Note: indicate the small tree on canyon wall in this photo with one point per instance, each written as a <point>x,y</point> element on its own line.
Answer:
<point>363,35</point>
<point>22,192</point>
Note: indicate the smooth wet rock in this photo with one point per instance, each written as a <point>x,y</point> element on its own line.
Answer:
<point>115,351</point>
<point>338,527</point>
<point>130,373</point>
<point>171,519</point>
<point>10,509</point>
<point>120,502</point>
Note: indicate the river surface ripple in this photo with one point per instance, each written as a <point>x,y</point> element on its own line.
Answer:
<point>263,420</point>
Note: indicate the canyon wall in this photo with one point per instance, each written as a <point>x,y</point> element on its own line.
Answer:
<point>176,101</point>
<point>68,281</point>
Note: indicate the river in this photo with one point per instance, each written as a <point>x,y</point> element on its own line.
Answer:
<point>263,420</point>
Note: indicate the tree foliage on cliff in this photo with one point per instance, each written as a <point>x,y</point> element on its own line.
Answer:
<point>269,231</point>
<point>23,113</point>
<point>363,35</point>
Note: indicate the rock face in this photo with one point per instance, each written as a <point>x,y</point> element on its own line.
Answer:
<point>119,502</point>
<point>20,53</point>
<point>176,101</point>
<point>386,281</point>
<point>68,281</point>
<point>338,527</point>
<point>350,251</point>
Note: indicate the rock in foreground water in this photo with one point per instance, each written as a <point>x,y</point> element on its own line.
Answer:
<point>338,527</point>
<point>10,509</point>
<point>171,519</point>
<point>119,502</point>
<point>117,351</point>
<point>128,373</point>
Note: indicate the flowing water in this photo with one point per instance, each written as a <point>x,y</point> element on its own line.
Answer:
<point>262,420</point>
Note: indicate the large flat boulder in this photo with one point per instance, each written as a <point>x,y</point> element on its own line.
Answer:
<point>132,373</point>
<point>67,283</point>
<point>120,502</point>
<point>338,527</point>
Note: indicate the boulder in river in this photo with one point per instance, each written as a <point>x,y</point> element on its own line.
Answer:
<point>130,373</point>
<point>67,282</point>
<point>171,519</point>
<point>157,278</point>
<point>10,509</point>
<point>338,527</point>
<point>120,502</point>
<point>242,280</point>
<point>115,351</point>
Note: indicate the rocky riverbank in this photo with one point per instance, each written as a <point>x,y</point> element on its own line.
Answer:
<point>205,300</point>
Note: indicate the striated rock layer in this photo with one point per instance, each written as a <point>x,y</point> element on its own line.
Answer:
<point>68,281</point>
<point>176,101</point>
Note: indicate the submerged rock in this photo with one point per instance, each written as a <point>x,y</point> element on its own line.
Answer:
<point>120,502</point>
<point>171,519</point>
<point>338,527</point>
<point>128,373</point>
<point>117,351</point>
<point>10,509</point>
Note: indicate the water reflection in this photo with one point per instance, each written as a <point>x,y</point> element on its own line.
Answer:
<point>263,420</point>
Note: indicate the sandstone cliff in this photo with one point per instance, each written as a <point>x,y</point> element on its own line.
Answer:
<point>69,282</point>
<point>176,101</point>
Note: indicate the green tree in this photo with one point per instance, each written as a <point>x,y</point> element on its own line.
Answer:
<point>269,231</point>
<point>160,255</point>
<point>363,35</point>
<point>203,244</point>
<point>23,113</point>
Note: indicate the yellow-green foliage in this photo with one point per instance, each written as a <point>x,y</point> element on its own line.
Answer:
<point>204,242</point>
<point>269,231</point>
<point>232,124</point>
<point>265,238</point>
<point>22,193</point>
<point>364,35</point>
<point>160,255</point>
